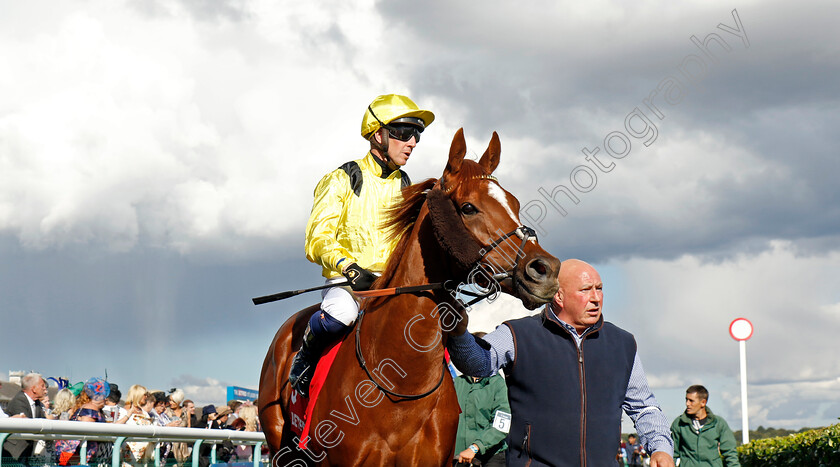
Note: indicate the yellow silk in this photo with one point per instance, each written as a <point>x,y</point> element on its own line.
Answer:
<point>343,225</point>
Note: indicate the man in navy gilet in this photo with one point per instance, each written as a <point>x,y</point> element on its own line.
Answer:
<point>569,375</point>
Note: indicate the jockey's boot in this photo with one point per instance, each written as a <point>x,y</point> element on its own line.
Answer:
<point>321,332</point>
<point>303,366</point>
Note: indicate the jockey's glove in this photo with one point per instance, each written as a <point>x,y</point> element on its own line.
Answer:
<point>359,277</point>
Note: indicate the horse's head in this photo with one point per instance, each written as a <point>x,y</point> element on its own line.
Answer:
<point>477,222</point>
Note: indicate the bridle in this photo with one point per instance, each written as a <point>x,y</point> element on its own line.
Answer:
<point>523,232</point>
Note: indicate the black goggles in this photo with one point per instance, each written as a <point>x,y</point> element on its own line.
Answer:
<point>400,131</point>
<point>404,131</point>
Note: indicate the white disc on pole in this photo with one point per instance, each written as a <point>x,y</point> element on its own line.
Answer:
<point>741,329</point>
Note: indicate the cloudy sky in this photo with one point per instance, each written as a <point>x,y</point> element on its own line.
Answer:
<point>157,162</point>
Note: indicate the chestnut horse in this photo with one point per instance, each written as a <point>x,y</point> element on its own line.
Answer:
<point>388,398</point>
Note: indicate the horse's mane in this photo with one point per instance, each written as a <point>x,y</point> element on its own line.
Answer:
<point>398,221</point>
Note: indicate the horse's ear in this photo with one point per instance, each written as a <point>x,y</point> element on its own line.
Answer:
<point>490,159</point>
<point>456,152</point>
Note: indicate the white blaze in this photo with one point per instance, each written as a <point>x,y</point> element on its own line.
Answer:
<point>496,192</point>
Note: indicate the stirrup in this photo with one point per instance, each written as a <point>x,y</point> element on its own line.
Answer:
<point>301,373</point>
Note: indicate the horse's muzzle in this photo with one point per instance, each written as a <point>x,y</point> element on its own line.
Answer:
<point>537,280</point>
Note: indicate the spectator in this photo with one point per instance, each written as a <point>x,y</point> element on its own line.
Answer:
<point>64,403</point>
<point>88,408</point>
<point>160,404</point>
<point>621,456</point>
<point>222,416</point>
<point>27,402</point>
<point>175,410</point>
<point>635,452</point>
<point>701,437</point>
<point>4,414</point>
<point>249,413</point>
<point>112,410</point>
<point>561,364</point>
<point>483,401</point>
<point>208,417</point>
<point>137,398</point>
<point>234,407</point>
<point>40,449</point>
<point>247,421</point>
<point>45,401</point>
<point>150,404</point>
<point>183,450</point>
<point>188,415</point>
<point>213,419</point>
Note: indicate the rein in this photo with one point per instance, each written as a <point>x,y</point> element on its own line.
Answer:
<point>376,383</point>
<point>523,232</point>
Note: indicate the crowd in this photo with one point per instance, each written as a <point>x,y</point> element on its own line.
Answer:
<point>99,401</point>
<point>483,424</point>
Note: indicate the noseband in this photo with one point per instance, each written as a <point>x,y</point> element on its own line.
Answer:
<point>525,233</point>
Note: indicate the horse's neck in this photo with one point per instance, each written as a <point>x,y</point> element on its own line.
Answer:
<point>412,319</point>
<point>424,260</point>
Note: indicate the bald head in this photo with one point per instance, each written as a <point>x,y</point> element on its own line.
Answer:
<point>570,268</point>
<point>579,299</point>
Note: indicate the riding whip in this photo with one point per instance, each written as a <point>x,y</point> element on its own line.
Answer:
<point>292,293</point>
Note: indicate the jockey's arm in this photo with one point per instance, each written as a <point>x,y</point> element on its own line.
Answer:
<point>321,245</point>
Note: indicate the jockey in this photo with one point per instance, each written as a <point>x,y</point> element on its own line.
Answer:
<point>343,234</point>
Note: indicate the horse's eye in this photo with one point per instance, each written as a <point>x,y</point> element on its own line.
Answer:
<point>468,209</point>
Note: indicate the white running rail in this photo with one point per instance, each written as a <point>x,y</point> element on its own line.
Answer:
<point>38,429</point>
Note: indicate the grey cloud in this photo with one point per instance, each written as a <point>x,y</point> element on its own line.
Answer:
<point>534,72</point>
<point>805,410</point>
<point>737,222</point>
<point>234,10</point>
<point>143,315</point>
<point>541,56</point>
<point>202,10</point>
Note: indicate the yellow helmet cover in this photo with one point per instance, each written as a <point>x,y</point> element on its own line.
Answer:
<point>390,107</point>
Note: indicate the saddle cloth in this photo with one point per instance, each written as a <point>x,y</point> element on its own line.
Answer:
<point>300,408</point>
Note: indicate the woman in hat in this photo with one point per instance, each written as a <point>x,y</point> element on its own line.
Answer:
<point>88,408</point>
<point>213,418</point>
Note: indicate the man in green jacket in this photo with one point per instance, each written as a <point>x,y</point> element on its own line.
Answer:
<point>701,437</point>
<point>484,420</point>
